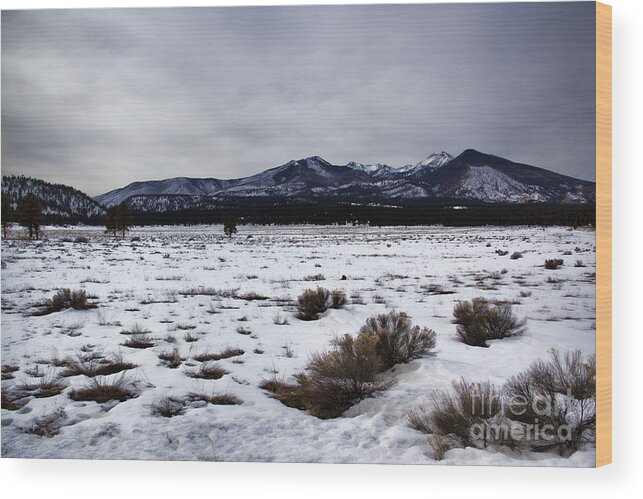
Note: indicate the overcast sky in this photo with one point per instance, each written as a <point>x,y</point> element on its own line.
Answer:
<point>100,98</point>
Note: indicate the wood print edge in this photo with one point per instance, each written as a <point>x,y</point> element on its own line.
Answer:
<point>603,234</point>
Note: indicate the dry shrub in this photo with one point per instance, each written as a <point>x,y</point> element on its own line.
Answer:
<point>35,372</point>
<point>215,399</point>
<point>92,366</point>
<point>288,394</point>
<point>560,392</point>
<point>552,404</point>
<point>315,277</point>
<point>135,329</point>
<point>456,413</point>
<point>479,321</point>
<point>398,341</point>
<point>48,425</point>
<point>139,341</point>
<point>311,303</point>
<point>13,400</point>
<point>337,299</point>
<point>208,370</point>
<point>440,445</point>
<point>251,296</point>
<point>9,369</point>
<point>171,359</point>
<point>190,338</point>
<point>419,419</point>
<point>47,386</point>
<point>115,364</point>
<point>168,407</point>
<point>225,354</point>
<point>553,263</point>
<point>335,380</point>
<point>64,299</point>
<point>103,390</point>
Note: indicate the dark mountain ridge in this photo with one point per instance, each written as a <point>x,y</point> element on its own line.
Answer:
<point>60,203</point>
<point>472,175</point>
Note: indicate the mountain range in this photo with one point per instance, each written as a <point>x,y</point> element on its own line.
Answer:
<point>472,175</point>
<point>439,181</point>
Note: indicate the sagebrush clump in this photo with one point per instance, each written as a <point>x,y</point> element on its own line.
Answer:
<point>553,264</point>
<point>479,321</point>
<point>464,414</point>
<point>551,405</point>
<point>398,340</point>
<point>313,302</point>
<point>335,380</point>
<point>64,299</point>
<point>560,392</point>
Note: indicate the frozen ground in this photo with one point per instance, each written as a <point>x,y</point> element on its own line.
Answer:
<point>141,282</point>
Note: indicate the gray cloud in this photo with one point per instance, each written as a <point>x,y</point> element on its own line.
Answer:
<point>100,98</point>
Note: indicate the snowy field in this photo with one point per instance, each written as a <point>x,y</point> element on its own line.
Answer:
<point>147,282</point>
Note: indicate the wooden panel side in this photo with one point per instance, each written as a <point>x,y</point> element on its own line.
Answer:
<point>604,233</point>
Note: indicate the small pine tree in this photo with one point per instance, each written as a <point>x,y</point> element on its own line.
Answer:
<point>123,218</point>
<point>111,222</point>
<point>30,215</point>
<point>230,226</point>
<point>7,215</point>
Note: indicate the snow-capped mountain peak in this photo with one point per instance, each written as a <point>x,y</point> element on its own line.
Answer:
<point>313,161</point>
<point>432,162</point>
<point>435,161</point>
<point>376,168</point>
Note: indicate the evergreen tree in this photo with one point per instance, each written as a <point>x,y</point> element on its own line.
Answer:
<point>7,215</point>
<point>123,218</point>
<point>230,226</point>
<point>111,223</point>
<point>30,215</point>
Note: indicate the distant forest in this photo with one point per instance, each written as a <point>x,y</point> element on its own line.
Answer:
<point>416,213</point>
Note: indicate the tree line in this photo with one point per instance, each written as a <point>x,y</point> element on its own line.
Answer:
<point>29,214</point>
<point>119,219</point>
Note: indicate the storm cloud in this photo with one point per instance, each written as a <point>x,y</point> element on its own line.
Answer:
<point>100,98</point>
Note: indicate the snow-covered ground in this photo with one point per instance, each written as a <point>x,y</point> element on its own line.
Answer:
<point>140,282</point>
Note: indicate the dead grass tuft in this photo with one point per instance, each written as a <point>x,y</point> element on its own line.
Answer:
<point>225,354</point>
<point>208,370</point>
<point>103,390</point>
